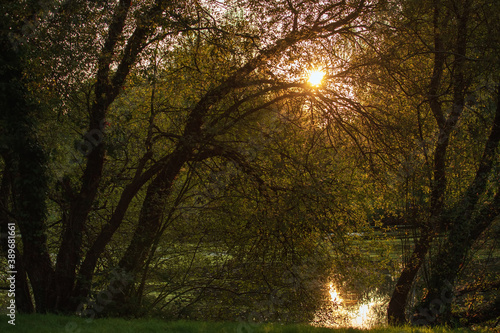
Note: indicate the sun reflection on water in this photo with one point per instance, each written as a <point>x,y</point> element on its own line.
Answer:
<point>334,296</point>
<point>365,313</point>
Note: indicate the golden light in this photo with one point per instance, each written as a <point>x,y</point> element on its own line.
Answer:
<point>315,77</point>
<point>334,296</point>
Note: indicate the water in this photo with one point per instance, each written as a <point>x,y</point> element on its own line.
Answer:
<point>350,311</point>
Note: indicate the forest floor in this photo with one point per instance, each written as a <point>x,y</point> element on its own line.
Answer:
<point>63,324</point>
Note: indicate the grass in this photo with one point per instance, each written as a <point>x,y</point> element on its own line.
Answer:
<point>61,324</point>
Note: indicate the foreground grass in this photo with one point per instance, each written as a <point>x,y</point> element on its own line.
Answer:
<point>56,324</point>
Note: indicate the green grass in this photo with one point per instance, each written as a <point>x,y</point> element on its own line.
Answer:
<point>56,324</point>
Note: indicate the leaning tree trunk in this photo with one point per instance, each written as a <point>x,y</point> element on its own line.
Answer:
<point>399,300</point>
<point>469,224</point>
<point>396,310</point>
<point>107,88</point>
<point>150,217</point>
<point>463,231</point>
<point>70,250</point>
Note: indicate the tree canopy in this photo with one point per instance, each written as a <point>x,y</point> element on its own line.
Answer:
<point>182,149</point>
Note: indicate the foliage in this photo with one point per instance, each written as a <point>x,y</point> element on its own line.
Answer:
<point>180,142</point>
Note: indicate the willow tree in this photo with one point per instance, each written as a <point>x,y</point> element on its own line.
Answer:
<point>248,87</point>
<point>113,40</point>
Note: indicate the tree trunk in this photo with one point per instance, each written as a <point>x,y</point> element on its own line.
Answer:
<point>25,163</point>
<point>151,214</point>
<point>24,303</point>
<point>466,228</point>
<point>397,305</point>
<point>107,89</point>
<point>85,275</point>
<point>396,310</point>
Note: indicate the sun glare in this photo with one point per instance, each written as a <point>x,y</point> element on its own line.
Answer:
<point>334,295</point>
<point>315,77</point>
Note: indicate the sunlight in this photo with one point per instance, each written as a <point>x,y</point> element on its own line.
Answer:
<point>315,77</point>
<point>334,296</point>
<point>363,313</point>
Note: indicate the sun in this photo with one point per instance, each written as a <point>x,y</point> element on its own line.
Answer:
<point>315,77</point>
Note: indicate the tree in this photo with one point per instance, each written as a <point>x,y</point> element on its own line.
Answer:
<point>436,73</point>
<point>199,134</point>
<point>53,285</point>
<point>125,35</point>
<point>24,182</point>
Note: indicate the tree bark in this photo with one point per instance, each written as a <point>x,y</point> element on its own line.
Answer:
<point>70,249</point>
<point>396,310</point>
<point>25,162</point>
<point>467,226</point>
<point>446,125</point>
<point>107,89</point>
<point>87,267</point>
<point>24,303</point>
